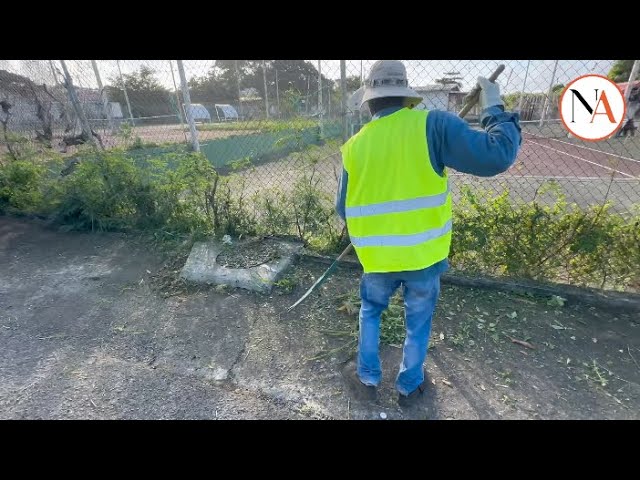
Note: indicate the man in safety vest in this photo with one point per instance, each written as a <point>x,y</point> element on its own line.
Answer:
<point>395,198</point>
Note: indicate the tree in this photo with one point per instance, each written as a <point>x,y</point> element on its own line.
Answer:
<point>557,89</point>
<point>352,82</point>
<point>210,89</point>
<point>220,84</point>
<point>147,95</point>
<point>621,70</point>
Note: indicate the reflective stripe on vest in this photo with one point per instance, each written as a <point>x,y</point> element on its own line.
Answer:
<point>396,206</point>
<point>401,240</point>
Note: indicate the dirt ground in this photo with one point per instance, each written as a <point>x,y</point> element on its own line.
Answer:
<point>95,326</point>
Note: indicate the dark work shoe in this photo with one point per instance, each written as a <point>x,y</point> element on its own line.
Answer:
<point>415,397</point>
<point>357,389</point>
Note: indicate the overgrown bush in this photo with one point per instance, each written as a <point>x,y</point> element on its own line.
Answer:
<point>556,241</point>
<point>26,183</point>
<point>21,186</point>
<point>182,193</point>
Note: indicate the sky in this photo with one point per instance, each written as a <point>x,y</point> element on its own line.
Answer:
<point>420,72</point>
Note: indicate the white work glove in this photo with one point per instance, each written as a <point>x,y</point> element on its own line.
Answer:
<point>489,94</point>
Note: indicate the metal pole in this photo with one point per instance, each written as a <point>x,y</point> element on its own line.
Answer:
<point>105,97</point>
<point>307,98</point>
<point>520,100</point>
<point>266,95</point>
<point>126,95</point>
<point>53,72</point>
<point>235,63</point>
<point>277,94</point>
<point>73,96</point>
<point>187,103</point>
<point>546,99</point>
<point>631,112</point>
<point>360,110</point>
<point>343,99</point>
<point>320,106</point>
<point>175,92</point>
<point>632,77</point>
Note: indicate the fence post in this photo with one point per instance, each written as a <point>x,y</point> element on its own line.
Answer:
<point>343,99</point>
<point>235,64</point>
<point>320,106</point>
<point>53,72</point>
<point>548,97</point>
<point>104,96</point>
<point>632,77</point>
<point>178,105</point>
<point>266,95</point>
<point>187,103</point>
<point>73,96</point>
<point>521,99</point>
<point>361,84</point>
<point>126,95</point>
<point>277,94</point>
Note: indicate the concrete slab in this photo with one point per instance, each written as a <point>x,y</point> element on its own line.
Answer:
<point>202,267</point>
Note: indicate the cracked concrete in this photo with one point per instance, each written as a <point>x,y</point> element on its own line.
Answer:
<point>84,335</point>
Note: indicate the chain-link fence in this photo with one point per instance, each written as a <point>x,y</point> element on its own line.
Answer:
<point>273,128</point>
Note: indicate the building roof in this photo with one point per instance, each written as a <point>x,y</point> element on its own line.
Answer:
<point>438,87</point>
<point>88,94</point>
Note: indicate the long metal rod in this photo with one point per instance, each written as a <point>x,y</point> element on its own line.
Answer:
<point>104,96</point>
<point>320,106</point>
<point>547,98</point>
<point>126,95</point>
<point>75,102</point>
<point>178,104</point>
<point>195,144</point>
<point>472,99</point>
<point>266,95</point>
<point>520,100</point>
<point>277,93</point>
<point>235,64</point>
<point>343,99</point>
<point>632,78</point>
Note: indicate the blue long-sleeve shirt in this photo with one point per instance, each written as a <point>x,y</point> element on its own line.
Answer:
<point>454,144</point>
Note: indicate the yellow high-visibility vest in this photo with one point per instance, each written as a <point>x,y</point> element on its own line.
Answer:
<point>398,208</point>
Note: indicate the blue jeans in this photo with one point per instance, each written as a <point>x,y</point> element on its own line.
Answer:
<point>420,290</point>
